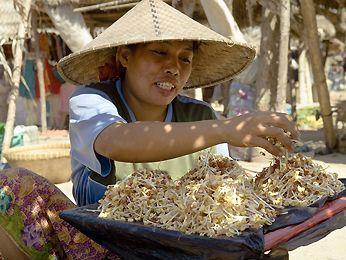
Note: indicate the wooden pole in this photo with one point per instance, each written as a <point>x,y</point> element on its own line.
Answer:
<point>313,43</point>
<point>103,5</point>
<point>221,20</point>
<point>188,7</point>
<point>283,55</point>
<point>17,69</point>
<point>266,82</point>
<point>118,4</point>
<point>39,66</point>
<point>305,92</point>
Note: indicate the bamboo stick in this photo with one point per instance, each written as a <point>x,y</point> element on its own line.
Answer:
<point>11,113</point>
<point>313,42</point>
<point>39,65</point>
<point>117,4</point>
<point>99,6</point>
<point>283,55</point>
<point>119,7</point>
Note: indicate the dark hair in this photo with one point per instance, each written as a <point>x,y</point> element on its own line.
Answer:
<point>195,46</point>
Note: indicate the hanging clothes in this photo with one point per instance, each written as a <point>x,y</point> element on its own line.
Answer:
<point>28,74</point>
<point>52,84</point>
<point>58,47</point>
<point>52,47</point>
<point>37,86</point>
<point>43,42</point>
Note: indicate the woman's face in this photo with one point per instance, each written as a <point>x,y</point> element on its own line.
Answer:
<point>156,72</point>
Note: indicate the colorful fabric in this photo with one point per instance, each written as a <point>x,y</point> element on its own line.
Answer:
<point>51,83</point>
<point>242,99</point>
<point>29,76</point>
<point>29,212</point>
<point>54,83</point>
<point>43,42</point>
<point>58,46</point>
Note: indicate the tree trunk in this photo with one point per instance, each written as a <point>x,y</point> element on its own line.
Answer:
<point>188,7</point>
<point>229,4</point>
<point>70,25</point>
<point>313,42</point>
<point>266,82</point>
<point>283,55</point>
<point>221,20</point>
<point>302,94</point>
<point>39,65</point>
<point>5,89</point>
<point>342,24</point>
<point>17,68</point>
<point>294,100</point>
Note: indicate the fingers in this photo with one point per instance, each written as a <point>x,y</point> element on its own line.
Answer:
<point>279,135</point>
<point>283,121</point>
<point>254,128</point>
<point>263,143</point>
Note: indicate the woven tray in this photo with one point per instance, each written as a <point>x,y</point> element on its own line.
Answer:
<point>51,160</point>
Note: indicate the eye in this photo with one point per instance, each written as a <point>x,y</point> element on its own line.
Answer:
<point>186,60</point>
<point>160,53</point>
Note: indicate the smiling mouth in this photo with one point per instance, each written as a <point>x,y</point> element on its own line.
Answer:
<point>165,85</point>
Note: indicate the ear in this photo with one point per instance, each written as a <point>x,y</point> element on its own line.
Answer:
<point>123,54</point>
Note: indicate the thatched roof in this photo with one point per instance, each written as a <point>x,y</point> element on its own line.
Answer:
<point>247,13</point>
<point>12,14</point>
<point>9,20</point>
<point>83,2</point>
<point>61,2</point>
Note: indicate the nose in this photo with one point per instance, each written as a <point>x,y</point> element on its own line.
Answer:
<point>172,67</point>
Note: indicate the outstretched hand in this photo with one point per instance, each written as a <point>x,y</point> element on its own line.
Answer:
<point>252,130</point>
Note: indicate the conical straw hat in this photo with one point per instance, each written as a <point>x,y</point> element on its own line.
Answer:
<point>217,59</point>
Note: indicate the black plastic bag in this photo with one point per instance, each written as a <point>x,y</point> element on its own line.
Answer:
<point>137,241</point>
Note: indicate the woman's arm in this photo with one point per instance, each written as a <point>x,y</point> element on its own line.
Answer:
<point>156,141</point>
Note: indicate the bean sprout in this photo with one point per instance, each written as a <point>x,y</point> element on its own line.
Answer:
<point>216,198</point>
<point>294,180</point>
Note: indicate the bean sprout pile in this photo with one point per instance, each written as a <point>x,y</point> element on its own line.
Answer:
<point>136,197</point>
<point>294,180</point>
<point>216,198</point>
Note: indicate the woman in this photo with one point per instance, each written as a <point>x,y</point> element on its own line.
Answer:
<point>130,113</point>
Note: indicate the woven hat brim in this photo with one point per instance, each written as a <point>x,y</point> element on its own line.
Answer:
<point>214,62</point>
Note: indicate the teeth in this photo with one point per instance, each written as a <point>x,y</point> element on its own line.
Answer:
<point>165,85</point>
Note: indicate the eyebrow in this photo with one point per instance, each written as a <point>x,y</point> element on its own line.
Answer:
<point>187,48</point>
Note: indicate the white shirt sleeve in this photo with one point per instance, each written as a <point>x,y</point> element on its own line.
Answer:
<point>91,111</point>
